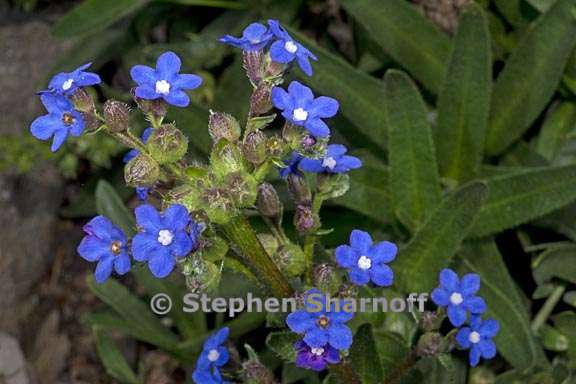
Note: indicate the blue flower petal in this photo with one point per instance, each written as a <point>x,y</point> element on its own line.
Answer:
<point>181,245</point>
<point>187,81</point>
<point>281,99</point>
<point>382,275</point>
<point>346,257</point>
<point>279,54</point>
<point>146,92</point>
<point>457,315</point>
<point>440,297</point>
<point>487,349</point>
<point>223,358</point>
<point>143,74</point>
<point>316,337</point>
<point>148,218</point>
<point>359,276</point>
<point>122,263</point>
<point>463,337</point>
<point>470,284</point>
<point>474,356</point>
<point>340,336</point>
<point>489,328</point>
<point>317,127</point>
<point>383,252</point>
<point>177,98</point>
<point>145,245</point>
<point>324,107</point>
<point>449,280</point>
<point>60,136</point>
<point>300,321</point>
<point>304,64</point>
<point>176,217</point>
<point>103,269</point>
<point>311,165</point>
<point>168,64</point>
<point>92,248</point>
<point>161,263</point>
<point>475,304</point>
<point>300,92</point>
<point>360,241</point>
<point>44,127</point>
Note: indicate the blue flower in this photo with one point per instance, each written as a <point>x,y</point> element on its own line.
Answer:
<point>163,237</point>
<point>315,359</point>
<point>142,193</point>
<point>286,49</point>
<point>254,38</point>
<point>478,338</point>
<point>366,261</point>
<point>61,119</point>
<point>321,325</point>
<point>66,83</point>
<point>299,106</point>
<point>106,244</point>
<point>214,355</point>
<point>164,82</point>
<point>335,161</point>
<point>291,166</point>
<point>134,152</point>
<point>459,296</point>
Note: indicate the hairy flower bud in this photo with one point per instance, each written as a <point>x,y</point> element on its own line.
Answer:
<point>201,275</point>
<point>268,202</point>
<point>226,158</point>
<point>299,189</point>
<point>223,126</point>
<point>304,219</point>
<point>429,345</point>
<point>157,107</point>
<point>91,122</point>
<point>256,373</point>
<point>82,101</point>
<point>260,101</point>
<point>167,144</point>
<point>242,187</point>
<point>431,321</point>
<point>141,171</point>
<point>254,147</point>
<point>274,147</point>
<point>291,259</point>
<point>252,63</point>
<point>117,115</point>
<point>326,278</point>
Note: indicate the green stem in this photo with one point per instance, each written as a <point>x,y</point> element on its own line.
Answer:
<point>345,373</point>
<point>240,232</point>
<point>548,307</point>
<point>310,240</point>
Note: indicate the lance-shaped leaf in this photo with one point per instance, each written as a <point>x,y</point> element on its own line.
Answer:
<point>433,246</point>
<point>109,204</point>
<point>559,121</point>
<point>557,262</point>
<point>414,182</point>
<point>531,76</point>
<point>365,357</point>
<point>464,100</point>
<point>515,341</point>
<point>112,359</point>
<point>406,35</point>
<point>524,196</point>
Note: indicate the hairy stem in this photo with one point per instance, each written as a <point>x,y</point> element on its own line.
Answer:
<point>310,240</point>
<point>240,232</point>
<point>542,315</point>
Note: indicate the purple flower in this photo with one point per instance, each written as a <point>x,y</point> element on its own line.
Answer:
<point>299,106</point>
<point>214,355</point>
<point>61,119</point>
<point>142,193</point>
<point>321,325</point>
<point>254,38</point>
<point>291,166</point>
<point>285,49</point>
<point>335,161</point>
<point>163,237</point>
<point>478,339</point>
<point>164,82</point>
<point>366,261</point>
<point>459,296</point>
<point>66,83</point>
<point>315,359</point>
<point>106,244</point>
<point>134,152</point>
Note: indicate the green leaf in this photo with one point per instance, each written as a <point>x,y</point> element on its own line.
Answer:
<point>557,262</point>
<point>515,341</point>
<point>432,247</point>
<point>565,322</point>
<point>134,311</point>
<point>517,12</point>
<point>359,94</point>
<point>464,100</point>
<point>552,339</point>
<point>406,35</point>
<point>558,122</point>
<point>112,359</point>
<point>531,76</point>
<point>414,182</point>
<point>210,3</point>
<point>95,15</point>
<point>109,204</point>
<point>282,344</point>
<point>521,197</point>
<point>391,349</point>
<point>364,356</point>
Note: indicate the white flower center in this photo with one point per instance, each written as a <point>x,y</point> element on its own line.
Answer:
<point>67,84</point>
<point>290,46</point>
<point>456,298</point>
<point>474,337</point>
<point>162,87</point>
<point>364,263</point>
<point>300,114</point>
<point>317,351</point>
<point>213,355</point>
<point>255,41</point>
<point>165,237</point>
<point>330,163</point>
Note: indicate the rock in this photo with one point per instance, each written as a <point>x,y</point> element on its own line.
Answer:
<point>12,363</point>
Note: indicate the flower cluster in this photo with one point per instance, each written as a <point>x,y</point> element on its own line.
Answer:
<point>459,297</point>
<point>214,355</point>
<point>163,239</point>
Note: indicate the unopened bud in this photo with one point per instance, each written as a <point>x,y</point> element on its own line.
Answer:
<point>167,144</point>
<point>257,373</point>
<point>260,101</point>
<point>326,278</point>
<point>252,63</point>
<point>254,147</point>
<point>117,115</point>
<point>141,171</point>
<point>218,205</point>
<point>268,202</point>
<point>156,107</point>
<point>242,187</point>
<point>304,219</point>
<point>431,321</point>
<point>91,122</point>
<point>291,260</point>
<point>274,69</point>
<point>429,345</point>
<point>274,147</point>
<point>82,101</point>
<point>226,158</point>
<point>223,126</point>
<point>299,189</point>
<point>203,275</point>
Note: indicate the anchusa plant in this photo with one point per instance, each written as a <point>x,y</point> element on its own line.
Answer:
<point>192,208</point>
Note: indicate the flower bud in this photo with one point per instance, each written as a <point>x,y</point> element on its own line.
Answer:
<point>274,147</point>
<point>291,260</point>
<point>157,107</point>
<point>326,279</point>
<point>242,187</point>
<point>91,123</point>
<point>167,144</point>
<point>274,69</point>
<point>304,219</point>
<point>141,171</point>
<point>429,345</point>
<point>260,101</point>
<point>332,186</point>
<point>223,126</point>
<point>268,202</point>
<point>218,205</point>
<point>299,189</point>
<point>431,321</point>
<point>252,63</point>
<point>226,158</point>
<point>256,373</point>
<point>82,101</point>
<point>254,147</point>
<point>202,275</point>
<point>117,115</point>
